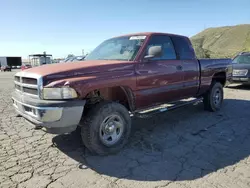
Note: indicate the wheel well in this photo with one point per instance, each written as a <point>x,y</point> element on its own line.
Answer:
<point>118,94</point>
<point>220,77</point>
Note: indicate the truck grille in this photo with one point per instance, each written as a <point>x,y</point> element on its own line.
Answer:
<point>27,84</point>
<point>31,81</point>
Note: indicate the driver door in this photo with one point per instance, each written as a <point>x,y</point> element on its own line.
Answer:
<point>159,80</point>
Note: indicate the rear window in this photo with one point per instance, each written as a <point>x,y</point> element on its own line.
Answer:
<point>183,47</point>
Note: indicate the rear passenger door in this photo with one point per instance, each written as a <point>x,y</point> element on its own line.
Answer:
<point>159,79</point>
<point>190,66</point>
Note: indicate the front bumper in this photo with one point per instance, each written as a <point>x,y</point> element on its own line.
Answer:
<point>57,117</point>
<point>245,80</point>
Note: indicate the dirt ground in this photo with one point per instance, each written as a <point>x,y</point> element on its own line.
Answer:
<point>188,147</point>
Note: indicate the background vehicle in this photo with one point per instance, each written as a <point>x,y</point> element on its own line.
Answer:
<point>6,68</point>
<point>68,59</point>
<point>25,66</point>
<point>73,59</point>
<point>140,74</point>
<point>78,58</point>
<point>241,68</point>
<point>40,59</point>
<point>7,63</point>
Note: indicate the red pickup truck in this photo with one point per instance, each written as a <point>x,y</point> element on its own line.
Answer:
<point>136,74</point>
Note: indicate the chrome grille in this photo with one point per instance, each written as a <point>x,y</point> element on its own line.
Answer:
<point>18,87</point>
<point>31,81</point>
<point>32,91</point>
<point>28,83</point>
<point>17,78</point>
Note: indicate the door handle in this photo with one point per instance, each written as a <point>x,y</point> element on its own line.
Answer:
<point>179,67</point>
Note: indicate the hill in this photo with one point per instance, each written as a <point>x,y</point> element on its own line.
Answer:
<point>222,41</point>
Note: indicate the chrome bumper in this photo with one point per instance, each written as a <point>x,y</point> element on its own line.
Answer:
<point>241,79</point>
<point>41,114</point>
<point>56,117</point>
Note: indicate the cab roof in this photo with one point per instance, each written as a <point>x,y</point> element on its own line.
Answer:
<point>149,34</point>
<point>244,53</point>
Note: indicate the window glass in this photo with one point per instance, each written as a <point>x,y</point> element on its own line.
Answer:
<point>121,48</point>
<point>183,48</point>
<point>165,42</point>
<point>242,59</point>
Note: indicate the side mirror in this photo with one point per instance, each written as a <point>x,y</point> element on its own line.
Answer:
<point>154,51</point>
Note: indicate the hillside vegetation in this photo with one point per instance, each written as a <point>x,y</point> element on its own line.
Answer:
<point>222,41</point>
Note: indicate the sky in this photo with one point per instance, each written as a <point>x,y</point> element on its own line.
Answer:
<point>62,27</point>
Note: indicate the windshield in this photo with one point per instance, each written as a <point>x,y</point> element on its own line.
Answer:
<point>242,59</point>
<point>122,48</point>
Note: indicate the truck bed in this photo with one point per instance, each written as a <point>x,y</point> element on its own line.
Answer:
<point>209,67</point>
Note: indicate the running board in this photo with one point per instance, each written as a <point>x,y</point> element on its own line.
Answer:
<point>166,107</point>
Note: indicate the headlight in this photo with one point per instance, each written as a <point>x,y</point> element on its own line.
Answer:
<point>59,93</point>
<point>241,72</point>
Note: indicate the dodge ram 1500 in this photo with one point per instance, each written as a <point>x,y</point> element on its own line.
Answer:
<point>136,74</point>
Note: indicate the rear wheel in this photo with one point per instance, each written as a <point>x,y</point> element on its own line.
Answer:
<point>213,99</point>
<point>106,128</point>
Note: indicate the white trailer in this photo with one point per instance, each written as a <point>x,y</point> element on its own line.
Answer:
<point>3,61</point>
<point>11,62</point>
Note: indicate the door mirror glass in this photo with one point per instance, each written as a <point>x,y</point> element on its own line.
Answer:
<point>154,51</point>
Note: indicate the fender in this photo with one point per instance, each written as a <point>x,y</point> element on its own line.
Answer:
<point>86,84</point>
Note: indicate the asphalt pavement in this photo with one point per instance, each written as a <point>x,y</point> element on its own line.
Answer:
<point>188,147</point>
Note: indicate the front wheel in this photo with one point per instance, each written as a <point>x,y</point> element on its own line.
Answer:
<point>106,128</point>
<point>213,99</point>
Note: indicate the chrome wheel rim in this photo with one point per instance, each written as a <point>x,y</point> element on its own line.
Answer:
<point>217,97</point>
<point>111,130</point>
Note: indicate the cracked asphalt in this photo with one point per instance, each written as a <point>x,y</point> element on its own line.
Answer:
<point>188,147</point>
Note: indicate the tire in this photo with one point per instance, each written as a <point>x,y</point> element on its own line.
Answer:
<point>213,99</point>
<point>95,134</point>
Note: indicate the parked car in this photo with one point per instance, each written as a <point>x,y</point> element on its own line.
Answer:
<point>73,59</point>
<point>78,58</point>
<point>68,59</point>
<point>9,63</point>
<point>26,66</point>
<point>132,75</point>
<point>5,68</point>
<point>241,68</point>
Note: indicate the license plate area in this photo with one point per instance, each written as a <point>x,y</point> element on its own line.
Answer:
<point>25,109</point>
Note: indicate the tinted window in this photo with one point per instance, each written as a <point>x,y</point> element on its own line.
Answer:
<point>166,44</point>
<point>183,48</point>
<point>242,59</point>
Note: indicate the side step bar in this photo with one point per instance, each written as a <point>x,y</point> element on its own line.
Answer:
<point>166,107</point>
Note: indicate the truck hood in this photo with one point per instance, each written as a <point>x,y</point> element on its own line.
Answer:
<point>74,70</point>
<point>61,71</point>
<point>241,66</point>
